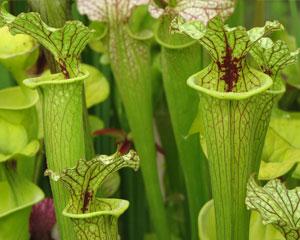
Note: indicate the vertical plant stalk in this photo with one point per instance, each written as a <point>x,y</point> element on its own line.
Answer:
<point>61,95</point>
<point>178,63</point>
<point>238,17</point>
<point>133,78</point>
<point>259,17</point>
<point>94,218</point>
<point>235,116</point>
<point>182,57</point>
<point>130,62</point>
<point>167,139</point>
<point>295,18</point>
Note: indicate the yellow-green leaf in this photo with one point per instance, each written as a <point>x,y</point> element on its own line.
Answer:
<point>96,86</point>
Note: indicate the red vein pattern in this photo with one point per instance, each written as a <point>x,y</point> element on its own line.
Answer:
<point>83,182</point>
<point>235,133</point>
<point>272,57</point>
<point>228,48</point>
<point>66,44</point>
<point>100,227</point>
<point>200,10</point>
<point>277,206</point>
<point>109,10</point>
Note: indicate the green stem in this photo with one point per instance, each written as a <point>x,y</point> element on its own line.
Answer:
<point>295,17</point>
<point>89,144</point>
<point>38,163</point>
<point>166,136</point>
<point>64,136</point>
<point>132,188</point>
<point>238,17</point>
<point>130,62</point>
<point>192,159</point>
<point>178,63</point>
<point>259,18</point>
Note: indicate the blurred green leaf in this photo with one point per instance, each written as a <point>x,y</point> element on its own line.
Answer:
<point>258,231</point>
<point>95,123</point>
<point>66,43</point>
<point>17,53</point>
<point>279,156</point>
<point>96,86</point>
<point>16,202</point>
<point>14,142</point>
<point>100,31</point>
<point>287,125</point>
<point>111,184</point>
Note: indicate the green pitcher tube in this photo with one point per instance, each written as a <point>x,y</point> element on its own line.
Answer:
<point>133,79</point>
<point>235,106</point>
<point>63,130</point>
<point>231,151</point>
<point>182,57</point>
<point>235,127</point>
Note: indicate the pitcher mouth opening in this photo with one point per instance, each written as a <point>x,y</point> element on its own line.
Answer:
<point>266,84</point>
<point>119,206</point>
<point>53,79</point>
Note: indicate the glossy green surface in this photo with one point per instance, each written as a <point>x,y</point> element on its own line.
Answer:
<point>258,230</point>
<point>18,196</point>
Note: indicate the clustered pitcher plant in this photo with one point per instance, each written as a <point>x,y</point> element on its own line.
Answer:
<point>203,185</point>
<point>235,103</point>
